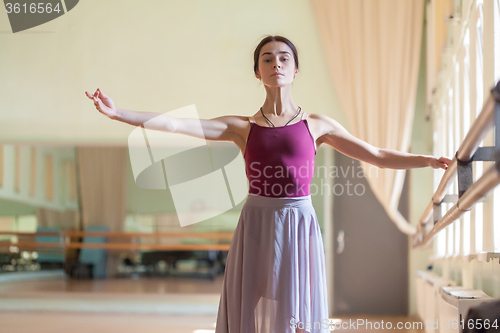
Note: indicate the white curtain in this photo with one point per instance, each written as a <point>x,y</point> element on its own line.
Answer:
<point>373,52</point>
<point>67,220</point>
<point>103,192</point>
<point>102,177</point>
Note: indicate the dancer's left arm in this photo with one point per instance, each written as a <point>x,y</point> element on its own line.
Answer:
<point>335,135</point>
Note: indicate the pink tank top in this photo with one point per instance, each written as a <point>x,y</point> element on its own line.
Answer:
<point>279,161</point>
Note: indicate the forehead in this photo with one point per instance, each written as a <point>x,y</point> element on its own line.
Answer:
<point>275,47</point>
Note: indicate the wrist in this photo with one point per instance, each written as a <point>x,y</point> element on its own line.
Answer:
<point>117,114</point>
<point>428,160</point>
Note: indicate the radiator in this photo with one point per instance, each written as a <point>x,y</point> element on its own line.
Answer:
<point>454,304</point>
<point>428,288</point>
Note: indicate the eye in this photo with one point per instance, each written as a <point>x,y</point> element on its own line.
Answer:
<point>285,59</point>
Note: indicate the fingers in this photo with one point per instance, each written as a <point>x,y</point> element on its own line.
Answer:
<point>96,99</point>
<point>101,93</point>
<point>442,162</point>
<point>445,160</point>
<point>97,102</point>
<point>96,94</point>
<point>441,166</point>
<point>93,97</point>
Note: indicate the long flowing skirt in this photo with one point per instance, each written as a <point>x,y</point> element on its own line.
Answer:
<point>275,279</point>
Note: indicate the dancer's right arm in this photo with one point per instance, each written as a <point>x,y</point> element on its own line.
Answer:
<point>224,128</point>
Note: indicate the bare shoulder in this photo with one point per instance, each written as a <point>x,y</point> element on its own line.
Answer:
<point>322,124</point>
<point>319,118</point>
<point>237,125</point>
<point>233,120</point>
<point>234,123</point>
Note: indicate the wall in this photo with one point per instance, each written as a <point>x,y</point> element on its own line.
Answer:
<point>421,184</point>
<point>37,177</point>
<point>149,56</point>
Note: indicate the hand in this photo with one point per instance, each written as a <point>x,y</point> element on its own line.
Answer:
<point>103,103</point>
<point>439,163</point>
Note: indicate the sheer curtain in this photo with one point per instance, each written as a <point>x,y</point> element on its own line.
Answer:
<point>67,220</point>
<point>373,51</point>
<point>103,193</point>
<point>102,177</point>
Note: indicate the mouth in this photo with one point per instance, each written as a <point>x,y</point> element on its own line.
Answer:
<point>277,74</point>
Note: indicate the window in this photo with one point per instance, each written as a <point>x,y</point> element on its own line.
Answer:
<point>496,192</point>
<point>465,77</point>
<point>1,165</point>
<point>459,98</point>
<point>477,211</point>
<point>49,177</point>
<point>497,39</point>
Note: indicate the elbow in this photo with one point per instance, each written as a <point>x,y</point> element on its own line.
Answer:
<point>378,159</point>
<point>170,125</point>
<point>374,161</point>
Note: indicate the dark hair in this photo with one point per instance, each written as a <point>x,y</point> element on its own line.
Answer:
<point>268,39</point>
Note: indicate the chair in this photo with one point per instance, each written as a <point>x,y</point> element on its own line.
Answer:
<point>98,258</point>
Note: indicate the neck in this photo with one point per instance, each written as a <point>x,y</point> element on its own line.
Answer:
<point>279,101</point>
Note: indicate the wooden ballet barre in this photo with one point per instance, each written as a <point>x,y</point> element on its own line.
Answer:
<point>118,246</point>
<point>41,233</point>
<point>477,132</point>
<point>171,247</point>
<point>67,243</point>
<point>469,193</point>
<point>214,235</point>
<point>475,193</point>
<point>32,245</point>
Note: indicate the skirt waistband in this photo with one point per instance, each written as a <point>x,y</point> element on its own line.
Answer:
<point>261,201</point>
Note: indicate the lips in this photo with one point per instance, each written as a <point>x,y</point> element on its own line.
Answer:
<point>277,74</point>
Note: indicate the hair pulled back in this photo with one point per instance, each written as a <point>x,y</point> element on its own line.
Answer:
<point>268,39</point>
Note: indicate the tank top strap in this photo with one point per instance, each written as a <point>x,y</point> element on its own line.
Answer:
<point>251,120</point>
<point>302,116</point>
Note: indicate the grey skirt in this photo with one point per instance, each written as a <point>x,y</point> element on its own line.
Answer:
<point>275,279</point>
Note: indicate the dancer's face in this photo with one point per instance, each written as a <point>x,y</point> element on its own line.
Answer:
<point>276,57</point>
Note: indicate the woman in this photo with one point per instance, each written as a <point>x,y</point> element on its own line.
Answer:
<point>275,272</point>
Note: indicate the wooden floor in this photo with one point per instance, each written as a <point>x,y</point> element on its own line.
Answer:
<point>54,322</point>
<point>145,305</point>
<point>167,285</point>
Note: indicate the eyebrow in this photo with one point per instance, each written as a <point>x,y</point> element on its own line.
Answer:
<point>263,54</point>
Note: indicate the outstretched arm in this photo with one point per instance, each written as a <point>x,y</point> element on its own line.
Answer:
<point>224,128</point>
<point>339,138</point>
